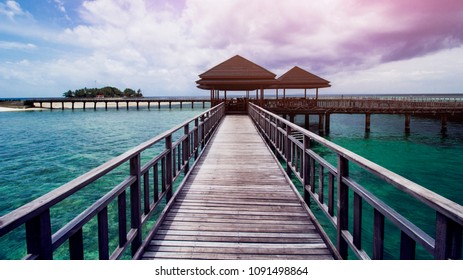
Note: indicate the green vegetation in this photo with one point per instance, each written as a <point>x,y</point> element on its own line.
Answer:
<point>102,92</point>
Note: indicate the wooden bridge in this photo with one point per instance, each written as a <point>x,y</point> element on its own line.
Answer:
<point>219,188</point>
<point>142,101</point>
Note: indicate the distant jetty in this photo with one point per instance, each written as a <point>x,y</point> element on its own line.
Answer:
<point>17,104</point>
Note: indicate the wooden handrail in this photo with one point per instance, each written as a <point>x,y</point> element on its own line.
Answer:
<point>301,159</point>
<point>41,242</point>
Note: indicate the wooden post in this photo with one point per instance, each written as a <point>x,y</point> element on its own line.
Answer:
<point>407,123</point>
<point>306,168</point>
<point>196,138</point>
<point>305,93</point>
<point>342,205</point>
<point>316,94</point>
<point>291,118</point>
<point>103,236</point>
<point>106,105</point>
<point>135,202</point>
<point>186,148</point>
<point>443,128</point>
<point>76,245</point>
<point>367,122</point>
<point>321,122</point>
<point>38,236</point>
<point>288,150</point>
<point>261,97</point>
<point>277,93</point>
<point>327,123</point>
<point>117,105</point>
<point>284,93</point>
<point>448,238</point>
<point>94,105</point>
<point>84,105</point>
<point>357,232</point>
<point>378,235</point>
<point>62,106</point>
<point>307,121</point>
<point>169,167</point>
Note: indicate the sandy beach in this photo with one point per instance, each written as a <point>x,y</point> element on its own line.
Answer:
<point>7,109</point>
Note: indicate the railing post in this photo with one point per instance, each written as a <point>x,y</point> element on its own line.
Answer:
<point>448,238</point>
<point>288,150</point>
<point>378,235</point>
<point>306,168</point>
<point>38,236</point>
<point>202,131</point>
<point>196,138</point>
<point>186,148</point>
<point>343,205</point>
<point>135,202</point>
<point>169,167</point>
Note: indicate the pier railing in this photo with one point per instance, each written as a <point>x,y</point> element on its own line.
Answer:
<point>145,187</point>
<point>347,217</point>
<point>370,105</point>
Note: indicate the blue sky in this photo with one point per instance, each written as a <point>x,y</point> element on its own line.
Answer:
<point>399,46</point>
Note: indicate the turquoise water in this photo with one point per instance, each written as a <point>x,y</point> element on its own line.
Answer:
<point>425,156</point>
<point>42,150</point>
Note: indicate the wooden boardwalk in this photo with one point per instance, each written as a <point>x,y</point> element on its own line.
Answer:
<point>237,204</point>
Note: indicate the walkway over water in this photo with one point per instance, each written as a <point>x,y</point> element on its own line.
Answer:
<point>237,204</point>
<point>229,198</point>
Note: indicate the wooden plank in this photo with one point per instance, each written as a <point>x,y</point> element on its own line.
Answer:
<point>237,204</point>
<point>210,256</point>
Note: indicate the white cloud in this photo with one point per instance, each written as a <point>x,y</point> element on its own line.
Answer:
<point>11,9</point>
<point>160,49</point>
<point>439,72</point>
<point>16,46</point>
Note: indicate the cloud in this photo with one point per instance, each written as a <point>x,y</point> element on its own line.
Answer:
<point>11,9</point>
<point>161,46</point>
<point>16,46</point>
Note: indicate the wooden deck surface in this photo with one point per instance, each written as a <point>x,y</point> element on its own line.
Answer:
<point>237,205</point>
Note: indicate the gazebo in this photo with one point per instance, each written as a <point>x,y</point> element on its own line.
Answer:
<point>236,74</point>
<point>298,78</point>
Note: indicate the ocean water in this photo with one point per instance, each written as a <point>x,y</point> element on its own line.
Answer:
<point>425,155</point>
<point>41,150</point>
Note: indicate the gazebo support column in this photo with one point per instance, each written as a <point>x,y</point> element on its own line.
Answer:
<point>305,93</point>
<point>261,97</point>
<point>307,121</point>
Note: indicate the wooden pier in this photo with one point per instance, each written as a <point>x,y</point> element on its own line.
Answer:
<point>61,103</point>
<point>214,190</point>
<point>237,204</point>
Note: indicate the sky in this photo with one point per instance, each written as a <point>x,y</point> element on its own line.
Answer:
<point>48,47</point>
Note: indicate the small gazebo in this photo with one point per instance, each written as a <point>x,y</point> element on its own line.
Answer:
<point>298,78</point>
<point>236,74</point>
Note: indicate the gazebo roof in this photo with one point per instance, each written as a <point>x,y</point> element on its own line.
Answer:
<point>236,73</point>
<point>300,78</point>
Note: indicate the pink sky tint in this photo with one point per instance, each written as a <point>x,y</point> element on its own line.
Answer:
<point>161,46</point>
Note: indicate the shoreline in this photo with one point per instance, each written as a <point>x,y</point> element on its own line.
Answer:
<point>80,105</point>
<point>8,109</point>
